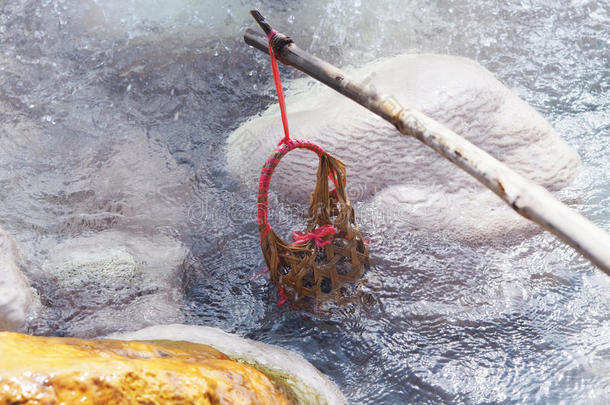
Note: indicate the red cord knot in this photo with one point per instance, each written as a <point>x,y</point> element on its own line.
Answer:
<point>271,34</point>
<point>317,235</point>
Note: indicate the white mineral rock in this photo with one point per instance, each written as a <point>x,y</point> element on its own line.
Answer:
<point>17,298</point>
<point>404,179</point>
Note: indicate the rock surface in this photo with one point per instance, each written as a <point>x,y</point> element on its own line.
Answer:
<point>99,221</point>
<point>67,370</point>
<point>403,178</point>
<point>309,385</point>
<point>17,298</point>
<point>117,279</point>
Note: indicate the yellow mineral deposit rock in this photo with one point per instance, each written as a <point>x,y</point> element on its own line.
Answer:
<point>49,370</point>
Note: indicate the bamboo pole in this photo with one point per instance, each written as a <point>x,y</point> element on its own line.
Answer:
<point>526,197</point>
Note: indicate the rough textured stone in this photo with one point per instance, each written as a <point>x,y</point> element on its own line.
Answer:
<point>307,385</point>
<point>402,177</point>
<point>66,370</point>
<point>98,220</point>
<point>118,280</point>
<point>17,298</point>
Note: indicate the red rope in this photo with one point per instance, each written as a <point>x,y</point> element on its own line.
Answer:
<point>282,298</point>
<point>278,88</point>
<point>317,235</point>
<point>267,172</point>
<point>284,146</point>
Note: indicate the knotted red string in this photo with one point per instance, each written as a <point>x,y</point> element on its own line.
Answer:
<point>278,88</point>
<point>317,235</point>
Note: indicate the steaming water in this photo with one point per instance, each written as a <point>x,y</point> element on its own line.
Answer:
<point>83,81</point>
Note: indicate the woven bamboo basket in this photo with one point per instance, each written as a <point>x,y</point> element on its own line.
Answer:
<point>331,251</point>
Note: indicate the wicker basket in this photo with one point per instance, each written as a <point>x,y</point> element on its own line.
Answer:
<point>331,251</point>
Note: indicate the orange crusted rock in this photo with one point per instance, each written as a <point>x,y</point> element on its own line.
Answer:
<point>50,370</point>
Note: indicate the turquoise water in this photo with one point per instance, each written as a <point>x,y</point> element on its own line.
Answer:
<point>443,321</point>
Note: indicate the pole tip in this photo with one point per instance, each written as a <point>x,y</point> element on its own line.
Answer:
<point>261,21</point>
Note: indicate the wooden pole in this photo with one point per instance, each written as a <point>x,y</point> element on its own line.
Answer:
<point>524,196</point>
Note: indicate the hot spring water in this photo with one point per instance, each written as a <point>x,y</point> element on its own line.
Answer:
<point>115,116</point>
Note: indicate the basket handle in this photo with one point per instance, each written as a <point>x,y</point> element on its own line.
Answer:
<point>265,179</point>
